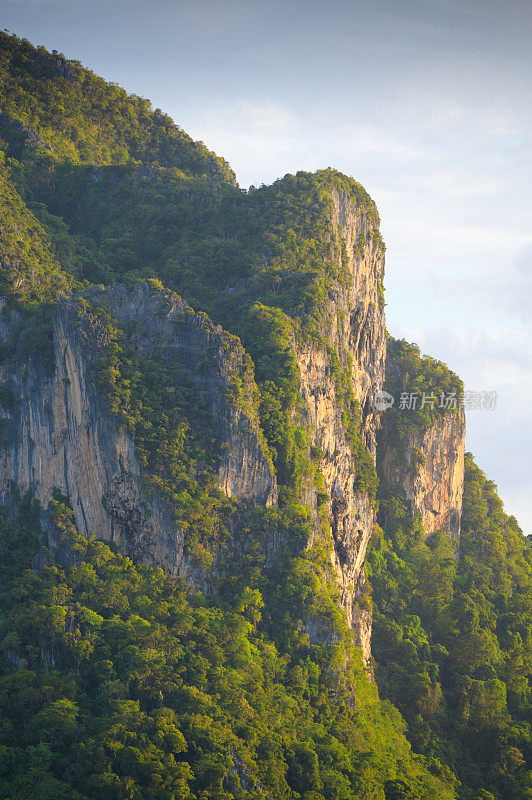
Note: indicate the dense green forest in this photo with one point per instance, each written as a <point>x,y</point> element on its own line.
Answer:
<point>452,638</point>
<point>118,681</point>
<point>54,110</point>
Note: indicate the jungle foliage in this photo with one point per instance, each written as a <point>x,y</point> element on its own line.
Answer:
<point>55,110</point>
<point>119,682</point>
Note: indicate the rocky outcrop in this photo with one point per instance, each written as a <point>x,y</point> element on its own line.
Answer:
<point>421,443</point>
<point>355,330</point>
<point>428,463</point>
<point>57,432</point>
<point>214,364</point>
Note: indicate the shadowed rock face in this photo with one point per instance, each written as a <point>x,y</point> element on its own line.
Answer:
<point>211,360</point>
<point>58,433</point>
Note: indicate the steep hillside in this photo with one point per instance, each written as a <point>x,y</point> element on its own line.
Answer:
<point>118,681</point>
<point>294,269</point>
<point>30,272</point>
<point>54,110</point>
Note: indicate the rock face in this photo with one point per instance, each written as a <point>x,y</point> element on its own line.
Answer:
<point>356,331</point>
<point>57,432</point>
<point>429,466</point>
<point>214,364</point>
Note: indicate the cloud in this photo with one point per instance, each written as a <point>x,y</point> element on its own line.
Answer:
<point>265,120</point>
<point>518,288</point>
<point>258,138</point>
<point>373,140</point>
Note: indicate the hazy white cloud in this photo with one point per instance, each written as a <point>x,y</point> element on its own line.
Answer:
<point>257,138</point>
<point>266,120</point>
<point>448,186</point>
<point>375,142</point>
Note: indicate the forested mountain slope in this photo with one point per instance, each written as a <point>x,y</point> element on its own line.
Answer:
<point>295,270</point>
<point>54,110</point>
<point>188,499</point>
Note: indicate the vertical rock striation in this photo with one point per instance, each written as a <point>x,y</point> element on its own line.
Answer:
<point>355,332</point>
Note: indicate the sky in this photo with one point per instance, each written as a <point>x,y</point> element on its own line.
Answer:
<point>426,102</point>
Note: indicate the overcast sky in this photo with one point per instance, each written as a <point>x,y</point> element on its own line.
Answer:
<point>426,102</point>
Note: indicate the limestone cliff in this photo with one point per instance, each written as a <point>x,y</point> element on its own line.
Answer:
<point>57,432</point>
<point>421,449</point>
<point>355,332</point>
<point>429,465</point>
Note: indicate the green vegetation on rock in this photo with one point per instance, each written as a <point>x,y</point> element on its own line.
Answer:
<point>29,272</point>
<point>435,389</point>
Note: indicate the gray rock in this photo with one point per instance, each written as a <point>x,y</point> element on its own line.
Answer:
<point>59,434</point>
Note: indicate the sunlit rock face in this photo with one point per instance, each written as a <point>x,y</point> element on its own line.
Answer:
<point>356,330</point>
<point>429,466</point>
